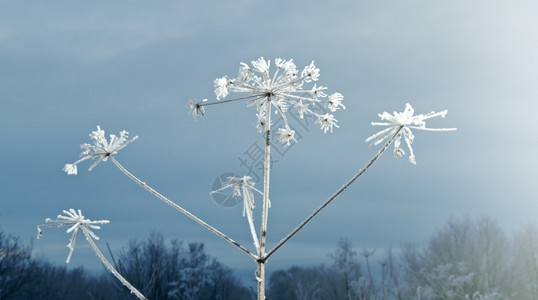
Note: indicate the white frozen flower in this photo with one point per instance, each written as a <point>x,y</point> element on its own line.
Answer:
<point>244,71</point>
<point>302,108</point>
<point>260,122</point>
<point>403,123</point>
<point>326,122</point>
<point>310,72</point>
<point>76,221</point>
<point>317,92</point>
<point>221,87</point>
<point>282,90</point>
<point>261,65</point>
<point>335,102</point>
<point>70,169</point>
<point>196,108</point>
<point>100,150</point>
<point>286,136</point>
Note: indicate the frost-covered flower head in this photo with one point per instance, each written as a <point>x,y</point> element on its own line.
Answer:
<point>196,108</point>
<point>241,185</point>
<point>403,122</point>
<point>77,221</point>
<point>100,150</point>
<point>284,90</point>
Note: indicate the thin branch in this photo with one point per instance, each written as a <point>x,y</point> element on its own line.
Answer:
<point>182,210</point>
<point>110,267</point>
<point>260,273</point>
<point>229,100</point>
<point>336,194</point>
<point>266,178</point>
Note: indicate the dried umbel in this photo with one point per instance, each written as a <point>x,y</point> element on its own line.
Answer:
<point>77,221</point>
<point>101,149</point>
<point>284,90</point>
<point>403,122</point>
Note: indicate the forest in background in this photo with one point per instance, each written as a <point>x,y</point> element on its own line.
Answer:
<point>466,259</point>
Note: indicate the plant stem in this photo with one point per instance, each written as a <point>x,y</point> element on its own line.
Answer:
<point>265,210</point>
<point>336,194</point>
<point>109,266</point>
<point>250,220</point>
<point>182,210</point>
<point>229,100</point>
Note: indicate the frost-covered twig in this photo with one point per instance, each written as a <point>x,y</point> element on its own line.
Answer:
<point>336,194</point>
<point>246,186</point>
<point>111,268</point>
<point>399,123</point>
<point>181,209</point>
<point>260,273</point>
<point>101,150</point>
<point>77,221</point>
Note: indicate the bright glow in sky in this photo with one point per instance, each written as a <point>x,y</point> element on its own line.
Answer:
<point>67,66</point>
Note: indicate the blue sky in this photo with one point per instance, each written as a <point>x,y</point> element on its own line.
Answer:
<point>66,67</point>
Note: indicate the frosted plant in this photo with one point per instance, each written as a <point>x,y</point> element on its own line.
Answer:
<point>101,149</point>
<point>243,184</point>
<point>196,108</point>
<point>403,123</point>
<point>286,136</point>
<point>327,121</point>
<point>77,222</point>
<point>283,90</point>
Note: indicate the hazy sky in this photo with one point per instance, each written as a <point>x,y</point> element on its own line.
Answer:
<point>67,66</point>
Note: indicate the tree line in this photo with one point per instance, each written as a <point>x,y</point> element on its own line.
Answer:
<point>466,259</point>
<point>159,270</point>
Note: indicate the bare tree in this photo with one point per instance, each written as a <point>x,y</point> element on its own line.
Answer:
<point>461,260</point>
<point>345,261</point>
<point>14,265</point>
<point>526,260</point>
<point>176,271</point>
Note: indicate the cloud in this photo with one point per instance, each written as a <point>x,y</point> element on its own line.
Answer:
<point>100,30</point>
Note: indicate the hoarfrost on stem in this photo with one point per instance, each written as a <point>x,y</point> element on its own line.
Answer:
<point>406,121</point>
<point>100,150</point>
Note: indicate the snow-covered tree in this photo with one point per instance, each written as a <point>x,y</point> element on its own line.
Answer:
<point>462,260</point>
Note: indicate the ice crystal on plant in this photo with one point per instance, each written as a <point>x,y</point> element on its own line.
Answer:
<point>76,220</point>
<point>403,122</point>
<point>335,101</point>
<point>284,90</point>
<point>241,184</point>
<point>326,122</point>
<point>196,108</point>
<point>246,187</point>
<point>286,136</point>
<point>100,150</point>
